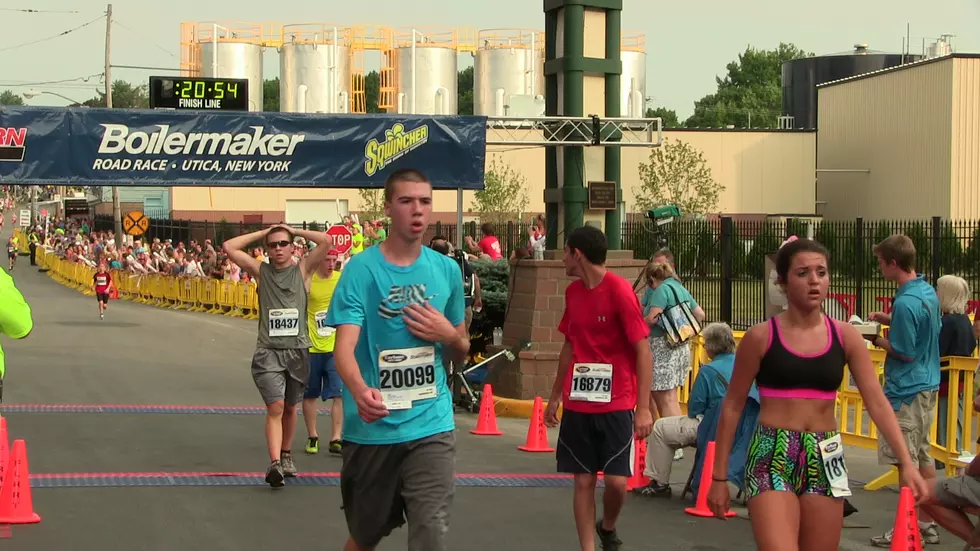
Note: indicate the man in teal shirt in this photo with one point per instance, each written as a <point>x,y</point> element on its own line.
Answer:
<point>911,364</point>
<point>15,316</point>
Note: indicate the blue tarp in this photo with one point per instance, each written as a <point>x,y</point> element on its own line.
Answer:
<point>120,147</point>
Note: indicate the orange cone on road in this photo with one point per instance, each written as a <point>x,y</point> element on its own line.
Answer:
<point>906,536</point>
<point>16,505</point>
<point>638,480</point>
<point>486,425</point>
<point>4,448</point>
<point>701,508</point>
<point>537,432</point>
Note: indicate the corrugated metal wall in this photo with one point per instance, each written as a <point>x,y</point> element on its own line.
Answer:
<point>897,125</point>
<point>964,191</point>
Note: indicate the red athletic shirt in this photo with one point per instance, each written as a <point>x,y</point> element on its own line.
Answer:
<point>602,324</point>
<point>102,282</point>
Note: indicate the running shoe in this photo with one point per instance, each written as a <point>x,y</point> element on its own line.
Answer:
<point>335,447</point>
<point>312,445</point>
<point>288,467</point>
<point>653,489</point>
<point>608,540</point>
<point>274,475</point>
<point>929,535</point>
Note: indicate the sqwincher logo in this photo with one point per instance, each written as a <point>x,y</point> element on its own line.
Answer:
<point>398,143</point>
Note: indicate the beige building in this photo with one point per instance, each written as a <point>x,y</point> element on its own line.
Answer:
<point>762,172</point>
<point>902,142</point>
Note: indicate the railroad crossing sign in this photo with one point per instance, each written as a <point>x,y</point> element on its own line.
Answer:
<point>343,240</point>
<point>135,223</point>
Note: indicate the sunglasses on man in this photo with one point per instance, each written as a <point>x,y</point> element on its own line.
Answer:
<point>281,244</point>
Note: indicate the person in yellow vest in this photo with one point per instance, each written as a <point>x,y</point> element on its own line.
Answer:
<point>16,320</point>
<point>357,240</point>
<point>324,381</point>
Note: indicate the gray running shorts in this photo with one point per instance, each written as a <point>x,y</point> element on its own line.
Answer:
<point>281,374</point>
<point>382,485</point>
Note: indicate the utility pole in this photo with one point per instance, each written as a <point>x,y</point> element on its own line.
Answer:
<point>116,210</point>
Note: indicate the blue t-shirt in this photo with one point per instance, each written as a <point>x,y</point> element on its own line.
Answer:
<point>663,297</point>
<point>370,294</point>
<point>913,333</point>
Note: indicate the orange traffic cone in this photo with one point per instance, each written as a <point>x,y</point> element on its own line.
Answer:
<point>906,536</point>
<point>701,508</point>
<point>4,448</point>
<point>638,480</point>
<point>16,505</point>
<point>537,433</point>
<point>486,425</point>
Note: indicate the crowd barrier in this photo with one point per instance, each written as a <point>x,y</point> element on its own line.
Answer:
<point>238,299</point>
<point>22,244</point>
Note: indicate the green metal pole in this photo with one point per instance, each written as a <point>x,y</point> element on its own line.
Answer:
<point>551,110</point>
<point>573,163</point>
<point>613,154</point>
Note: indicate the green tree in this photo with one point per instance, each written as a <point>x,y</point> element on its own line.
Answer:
<point>372,92</point>
<point>504,196</point>
<point>124,96</point>
<point>270,95</point>
<point>677,174</point>
<point>765,242</point>
<point>464,91</point>
<point>751,89</point>
<point>372,203</point>
<point>668,117</point>
<point>9,98</point>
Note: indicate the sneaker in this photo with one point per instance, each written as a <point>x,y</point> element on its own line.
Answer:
<point>312,445</point>
<point>679,454</point>
<point>288,467</point>
<point>653,489</point>
<point>335,447</point>
<point>274,475</point>
<point>929,535</point>
<point>609,541</point>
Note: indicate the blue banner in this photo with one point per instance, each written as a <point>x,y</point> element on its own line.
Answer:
<point>82,146</point>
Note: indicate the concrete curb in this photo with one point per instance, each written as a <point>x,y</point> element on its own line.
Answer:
<point>508,407</point>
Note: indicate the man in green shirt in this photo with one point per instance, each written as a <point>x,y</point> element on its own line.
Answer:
<point>15,316</point>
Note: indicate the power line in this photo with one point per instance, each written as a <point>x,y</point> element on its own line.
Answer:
<point>28,10</point>
<point>16,83</point>
<point>143,38</point>
<point>63,33</point>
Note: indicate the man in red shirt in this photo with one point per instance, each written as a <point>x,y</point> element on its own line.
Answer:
<point>102,282</point>
<point>604,374</point>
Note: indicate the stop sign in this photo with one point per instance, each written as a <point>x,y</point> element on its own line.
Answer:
<point>343,240</point>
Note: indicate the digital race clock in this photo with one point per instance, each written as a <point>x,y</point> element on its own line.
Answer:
<point>199,93</point>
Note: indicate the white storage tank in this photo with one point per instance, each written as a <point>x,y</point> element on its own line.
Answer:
<point>236,58</point>
<point>508,63</point>
<point>314,69</point>
<point>633,81</point>
<point>434,58</point>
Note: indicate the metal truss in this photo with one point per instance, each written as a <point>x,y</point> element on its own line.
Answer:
<point>584,131</point>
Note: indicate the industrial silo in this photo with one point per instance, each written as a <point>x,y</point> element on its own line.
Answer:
<point>424,62</point>
<point>633,81</point>
<point>314,69</point>
<point>229,50</point>
<point>508,73</point>
<point>801,77</point>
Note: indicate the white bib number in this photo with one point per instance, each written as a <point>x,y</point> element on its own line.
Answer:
<point>322,329</point>
<point>832,454</point>
<point>283,322</point>
<point>591,383</point>
<point>407,375</point>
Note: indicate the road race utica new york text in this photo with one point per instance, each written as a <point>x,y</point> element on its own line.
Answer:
<point>118,139</point>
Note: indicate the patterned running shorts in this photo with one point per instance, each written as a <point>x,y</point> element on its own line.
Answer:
<point>786,461</point>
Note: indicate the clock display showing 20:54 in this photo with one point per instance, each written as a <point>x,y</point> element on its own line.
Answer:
<point>199,89</point>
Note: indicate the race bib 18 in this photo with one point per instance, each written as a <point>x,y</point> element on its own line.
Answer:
<point>283,322</point>
<point>832,454</point>
<point>407,375</point>
<point>591,383</point>
<point>322,329</point>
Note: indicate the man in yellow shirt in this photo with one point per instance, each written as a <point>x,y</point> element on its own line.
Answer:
<point>324,381</point>
<point>15,316</point>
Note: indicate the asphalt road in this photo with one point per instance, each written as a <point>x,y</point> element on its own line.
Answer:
<point>135,478</point>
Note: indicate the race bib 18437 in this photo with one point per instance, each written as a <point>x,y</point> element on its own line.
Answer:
<point>407,375</point>
<point>592,383</point>
<point>832,454</point>
<point>283,322</point>
<point>322,329</point>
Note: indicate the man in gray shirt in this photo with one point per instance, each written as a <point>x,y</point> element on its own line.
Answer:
<point>281,363</point>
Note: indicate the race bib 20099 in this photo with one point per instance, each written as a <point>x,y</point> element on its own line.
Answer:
<point>407,375</point>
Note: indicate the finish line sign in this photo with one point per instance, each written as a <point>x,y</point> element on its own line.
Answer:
<point>85,146</point>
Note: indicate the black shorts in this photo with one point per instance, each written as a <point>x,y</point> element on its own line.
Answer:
<point>102,297</point>
<point>589,443</point>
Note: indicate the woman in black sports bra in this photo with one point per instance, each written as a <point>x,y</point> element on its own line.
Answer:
<point>795,475</point>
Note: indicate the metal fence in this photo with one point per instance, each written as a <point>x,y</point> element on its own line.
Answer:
<point>722,261</point>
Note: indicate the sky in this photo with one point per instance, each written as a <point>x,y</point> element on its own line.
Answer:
<point>688,43</point>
